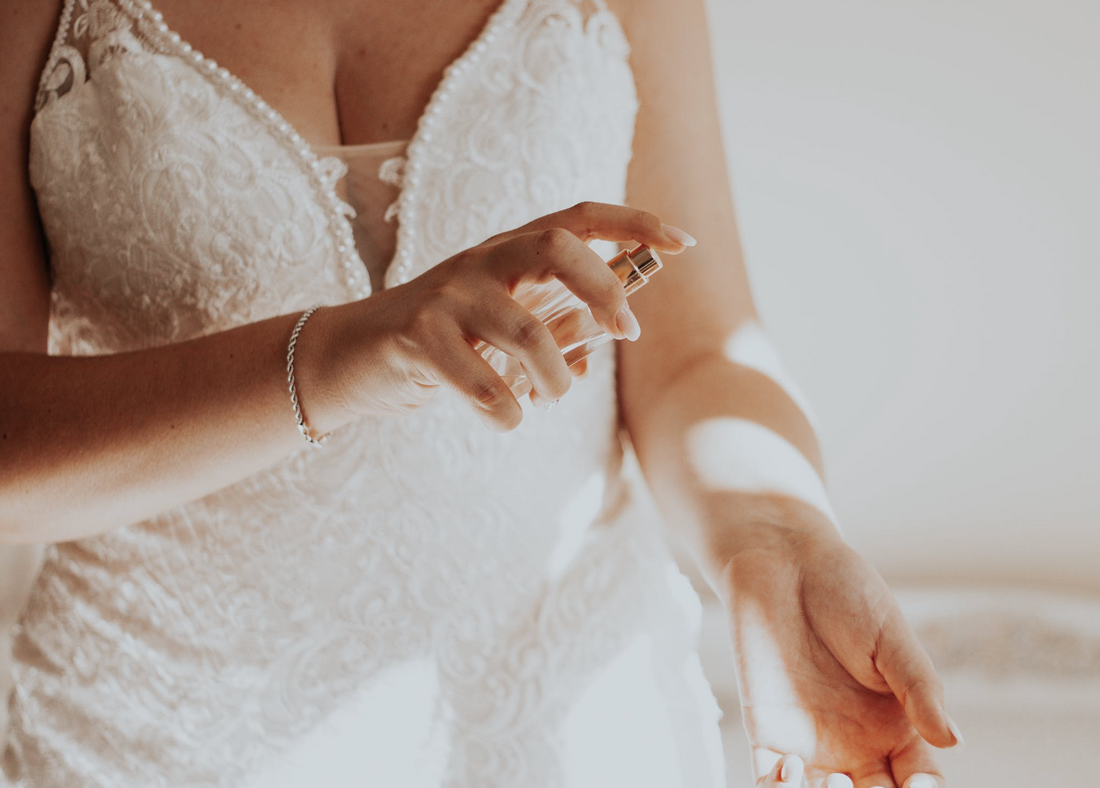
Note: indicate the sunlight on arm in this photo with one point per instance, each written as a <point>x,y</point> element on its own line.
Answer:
<point>769,701</point>
<point>750,347</point>
<point>737,455</point>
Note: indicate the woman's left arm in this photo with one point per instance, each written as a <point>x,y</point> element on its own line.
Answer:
<point>828,668</point>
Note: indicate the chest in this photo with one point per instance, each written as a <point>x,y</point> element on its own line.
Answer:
<point>340,71</point>
<point>228,216</point>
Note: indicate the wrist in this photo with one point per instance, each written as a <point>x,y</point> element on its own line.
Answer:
<point>318,369</point>
<point>768,530</point>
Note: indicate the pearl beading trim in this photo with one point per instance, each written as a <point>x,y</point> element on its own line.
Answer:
<point>504,17</point>
<point>325,172</point>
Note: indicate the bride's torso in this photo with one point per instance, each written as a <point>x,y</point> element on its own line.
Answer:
<point>177,201</point>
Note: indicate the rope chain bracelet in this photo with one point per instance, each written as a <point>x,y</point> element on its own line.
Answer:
<point>302,428</point>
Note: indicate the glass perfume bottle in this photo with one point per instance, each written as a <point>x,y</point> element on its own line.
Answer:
<point>569,319</point>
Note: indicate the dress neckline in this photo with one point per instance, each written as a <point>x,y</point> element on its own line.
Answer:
<point>389,147</point>
<point>400,266</point>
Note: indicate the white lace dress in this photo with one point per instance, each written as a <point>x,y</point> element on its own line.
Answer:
<point>421,603</point>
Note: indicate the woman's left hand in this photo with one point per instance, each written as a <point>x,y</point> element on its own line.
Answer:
<point>833,681</point>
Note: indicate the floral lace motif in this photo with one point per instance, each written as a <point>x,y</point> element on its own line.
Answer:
<point>392,171</point>
<point>192,648</point>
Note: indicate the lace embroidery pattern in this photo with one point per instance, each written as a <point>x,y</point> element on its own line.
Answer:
<point>392,171</point>
<point>531,127</point>
<point>191,648</point>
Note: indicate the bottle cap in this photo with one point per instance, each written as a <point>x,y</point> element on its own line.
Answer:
<point>636,266</point>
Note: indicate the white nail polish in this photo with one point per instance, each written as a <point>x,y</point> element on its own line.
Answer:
<point>921,781</point>
<point>838,781</point>
<point>951,726</point>
<point>791,772</point>
<point>678,235</point>
<point>628,324</point>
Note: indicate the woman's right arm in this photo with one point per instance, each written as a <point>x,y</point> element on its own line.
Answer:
<point>91,443</point>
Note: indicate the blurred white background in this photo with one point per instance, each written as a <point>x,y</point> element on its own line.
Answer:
<point>918,186</point>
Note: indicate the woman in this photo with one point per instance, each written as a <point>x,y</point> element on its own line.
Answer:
<point>219,601</point>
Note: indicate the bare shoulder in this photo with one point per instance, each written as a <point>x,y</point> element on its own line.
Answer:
<point>27,28</point>
<point>650,17</point>
<point>675,29</point>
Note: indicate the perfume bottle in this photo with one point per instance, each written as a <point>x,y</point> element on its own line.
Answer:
<point>569,319</point>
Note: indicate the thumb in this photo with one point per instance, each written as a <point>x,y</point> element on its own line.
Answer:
<point>908,671</point>
<point>787,773</point>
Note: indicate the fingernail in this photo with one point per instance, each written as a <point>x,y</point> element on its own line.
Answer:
<point>628,324</point>
<point>951,726</point>
<point>838,781</point>
<point>678,235</point>
<point>921,781</point>
<point>792,769</point>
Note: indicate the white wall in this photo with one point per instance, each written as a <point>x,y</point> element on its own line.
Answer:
<point>918,188</point>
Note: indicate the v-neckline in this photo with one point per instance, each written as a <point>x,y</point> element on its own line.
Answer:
<point>400,265</point>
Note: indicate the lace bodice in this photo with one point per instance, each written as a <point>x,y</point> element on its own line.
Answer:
<point>371,186</point>
<point>205,644</point>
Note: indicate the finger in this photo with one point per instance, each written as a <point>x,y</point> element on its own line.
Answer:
<point>573,330</point>
<point>915,766</point>
<point>541,402</point>
<point>559,253</point>
<point>876,776</point>
<point>579,367</point>
<point>837,780</point>
<point>595,220</point>
<point>909,672</point>
<point>506,325</point>
<point>924,781</point>
<point>787,773</point>
<point>471,376</point>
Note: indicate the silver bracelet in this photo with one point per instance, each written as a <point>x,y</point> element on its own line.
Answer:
<point>302,428</point>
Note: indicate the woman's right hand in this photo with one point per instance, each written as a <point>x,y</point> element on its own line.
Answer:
<point>389,353</point>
